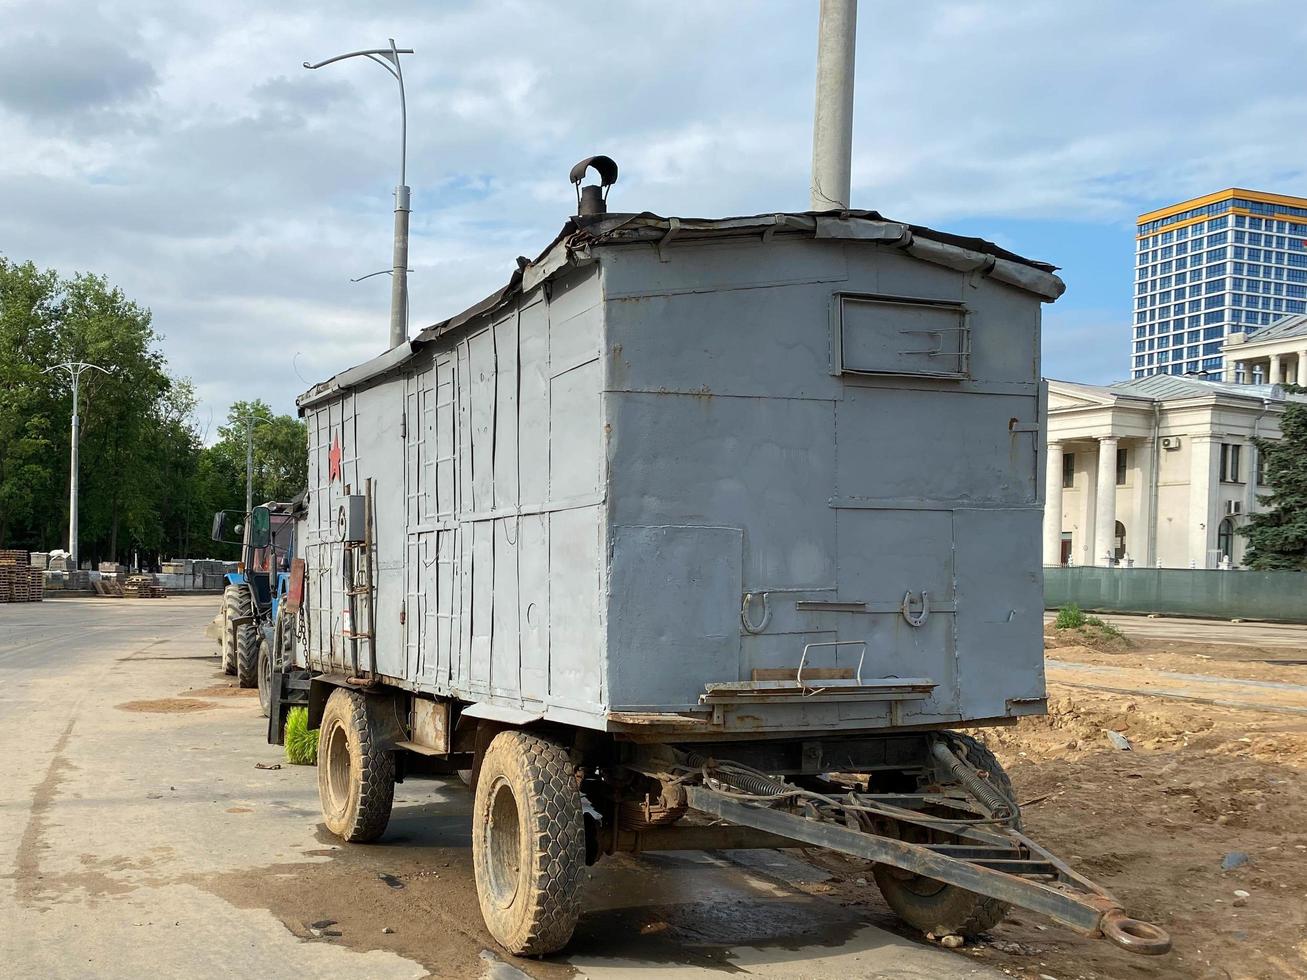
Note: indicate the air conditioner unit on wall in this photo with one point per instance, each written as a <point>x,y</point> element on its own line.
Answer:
<point>1234,506</point>
<point>1170,442</point>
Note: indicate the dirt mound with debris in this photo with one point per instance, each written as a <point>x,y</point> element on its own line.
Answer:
<point>1099,637</point>
<point>1078,725</point>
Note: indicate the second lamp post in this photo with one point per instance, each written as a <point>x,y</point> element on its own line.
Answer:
<point>388,58</point>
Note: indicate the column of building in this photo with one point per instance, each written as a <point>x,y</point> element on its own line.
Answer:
<point>1105,505</point>
<point>1273,376</point>
<point>1204,463</point>
<point>1139,541</point>
<point>1053,505</point>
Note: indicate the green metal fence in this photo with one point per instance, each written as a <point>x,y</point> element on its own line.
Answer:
<point>1180,592</point>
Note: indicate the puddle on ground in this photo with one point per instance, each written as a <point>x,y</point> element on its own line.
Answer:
<point>497,969</point>
<point>684,909</point>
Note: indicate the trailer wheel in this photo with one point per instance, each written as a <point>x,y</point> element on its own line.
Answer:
<point>931,905</point>
<point>528,843</point>
<point>356,777</point>
<point>248,642</point>
<point>235,604</point>
<point>265,678</point>
<point>273,656</point>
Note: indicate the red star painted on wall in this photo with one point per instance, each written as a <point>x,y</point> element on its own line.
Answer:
<point>333,460</point>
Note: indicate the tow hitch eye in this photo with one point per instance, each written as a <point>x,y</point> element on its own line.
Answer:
<point>1135,935</point>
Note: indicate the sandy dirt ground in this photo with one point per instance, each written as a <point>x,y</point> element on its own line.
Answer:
<point>138,836</point>
<point>147,829</point>
<point>1200,826</point>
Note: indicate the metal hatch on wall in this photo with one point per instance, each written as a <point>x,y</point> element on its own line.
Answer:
<point>901,336</point>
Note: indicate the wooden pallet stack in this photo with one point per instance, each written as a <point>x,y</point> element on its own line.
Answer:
<point>19,581</point>
<point>143,587</point>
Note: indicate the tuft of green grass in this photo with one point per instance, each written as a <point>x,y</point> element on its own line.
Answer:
<point>301,740</point>
<point>1105,628</point>
<point>1069,617</point>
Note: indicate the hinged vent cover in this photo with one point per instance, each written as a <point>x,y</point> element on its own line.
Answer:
<point>897,335</point>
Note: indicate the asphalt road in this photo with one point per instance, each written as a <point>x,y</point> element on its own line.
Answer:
<point>137,838</point>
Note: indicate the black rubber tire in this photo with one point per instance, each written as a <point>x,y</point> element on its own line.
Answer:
<point>274,656</point>
<point>356,778</point>
<point>248,641</point>
<point>265,678</point>
<point>931,905</point>
<point>528,843</point>
<point>235,603</point>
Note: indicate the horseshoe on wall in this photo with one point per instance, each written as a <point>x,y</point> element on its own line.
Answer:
<point>916,619</point>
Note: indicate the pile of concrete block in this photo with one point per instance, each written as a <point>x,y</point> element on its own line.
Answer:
<point>19,581</point>
<point>194,574</point>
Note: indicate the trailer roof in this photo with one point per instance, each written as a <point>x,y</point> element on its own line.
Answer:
<point>583,232</point>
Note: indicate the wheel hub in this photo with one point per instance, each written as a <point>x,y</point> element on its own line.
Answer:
<point>503,844</point>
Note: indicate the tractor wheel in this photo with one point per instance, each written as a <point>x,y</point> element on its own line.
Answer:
<point>528,843</point>
<point>931,905</point>
<point>356,778</point>
<point>235,604</point>
<point>248,642</point>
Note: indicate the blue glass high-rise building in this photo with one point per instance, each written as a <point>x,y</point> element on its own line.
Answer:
<point>1229,262</point>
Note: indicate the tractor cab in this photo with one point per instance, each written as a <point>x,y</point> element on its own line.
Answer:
<point>266,536</point>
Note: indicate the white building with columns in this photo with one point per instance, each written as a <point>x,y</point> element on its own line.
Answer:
<point>1272,355</point>
<point>1157,471</point>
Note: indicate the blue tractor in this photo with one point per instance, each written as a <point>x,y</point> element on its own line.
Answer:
<point>257,632</point>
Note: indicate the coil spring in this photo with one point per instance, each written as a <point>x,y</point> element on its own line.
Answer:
<point>745,782</point>
<point>999,805</point>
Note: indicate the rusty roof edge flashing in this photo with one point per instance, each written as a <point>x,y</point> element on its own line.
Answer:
<point>571,247</point>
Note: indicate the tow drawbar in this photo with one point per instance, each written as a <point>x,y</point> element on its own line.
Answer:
<point>987,854</point>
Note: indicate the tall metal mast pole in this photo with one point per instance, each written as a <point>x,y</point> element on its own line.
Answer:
<point>388,58</point>
<point>250,420</point>
<point>249,466</point>
<point>74,370</point>
<point>832,123</point>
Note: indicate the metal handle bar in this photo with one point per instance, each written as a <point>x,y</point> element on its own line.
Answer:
<point>798,677</point>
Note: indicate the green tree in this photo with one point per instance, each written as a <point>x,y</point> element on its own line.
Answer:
<point>1277,537</point>
<point>280,453</point>
<point>121,412</point>
<point>29,444</point>
<point>148,484</point>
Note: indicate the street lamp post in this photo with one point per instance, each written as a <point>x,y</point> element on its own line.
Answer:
<point>250,421</point>
<point>388,58</point>
<point>74,370</point>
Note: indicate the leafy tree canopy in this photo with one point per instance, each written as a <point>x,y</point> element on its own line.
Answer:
<point>148,485</point>
<point>1277,537</point>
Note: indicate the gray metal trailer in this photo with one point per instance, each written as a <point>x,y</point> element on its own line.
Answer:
<point>717,526</point>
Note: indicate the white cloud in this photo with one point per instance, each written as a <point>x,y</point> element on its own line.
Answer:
<point>182,150</point>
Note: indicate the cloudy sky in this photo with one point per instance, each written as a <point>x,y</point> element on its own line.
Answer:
<point>179,148</point>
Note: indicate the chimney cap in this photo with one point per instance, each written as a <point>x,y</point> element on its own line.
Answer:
<point>606,167</point>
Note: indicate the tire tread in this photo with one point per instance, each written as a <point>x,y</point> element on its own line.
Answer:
<point>372,766</point>
<point>554,822</point>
